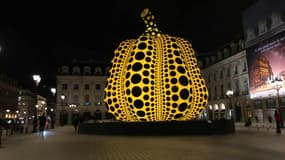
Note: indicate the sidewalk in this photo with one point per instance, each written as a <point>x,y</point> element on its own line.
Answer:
<point>64,143</point>
<point>258,127</point>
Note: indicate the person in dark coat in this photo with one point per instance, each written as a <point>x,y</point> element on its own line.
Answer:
<point>278,122</point>
<point>75,123</point>
<point>42,120</point>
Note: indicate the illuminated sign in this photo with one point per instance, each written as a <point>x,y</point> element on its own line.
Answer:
<point>155,78</point>
<point>266,67</point>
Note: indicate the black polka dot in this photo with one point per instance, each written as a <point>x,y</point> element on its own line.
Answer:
<point>137,66</point>
<point>128,91</point>
<point>182,107</point>
<point>171,67</point>
<point>150,48</point>
<point>174,105</point>
<point>145,73</point>
<point>181,69</point>
<point>109,101</point>
<point>128,74</point>
<point>145,89</point>
<point>138,104</point>
<point>148,59</point>
<point>174,89</point>
<point>127,83</point>
<point>141,113</point>
<point>145,81</point>
<point>136,91</point>
<point>142,45</point>
<point>145,97</point>
<point>130,100</point>
<point>184,94</point>
<point>175,97</point>
<point>177,116</point>
<point>174,45</point>
<point>172,73</point>
<point>139,56</point>
<point>178,60</point>
<point>136,78</point>
<point>183,80</point>
<point>177,53</point>
<point>146,66</point>
<point>143,38</point>
<point>173,80</point>
<point>112,108</point>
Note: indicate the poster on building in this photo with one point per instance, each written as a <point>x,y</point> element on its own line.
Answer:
<point>266,67</point>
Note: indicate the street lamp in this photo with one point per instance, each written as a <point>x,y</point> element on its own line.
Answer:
<point>53,91</point>
<point>37,79</point>
<point>62,119</point>
<point>62,97</point>
<point>277,83</point>
<point>230,94</point>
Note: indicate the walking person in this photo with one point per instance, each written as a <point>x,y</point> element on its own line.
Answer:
<point>278,122</point>
<point>42,120</point>
<point>75,123</point>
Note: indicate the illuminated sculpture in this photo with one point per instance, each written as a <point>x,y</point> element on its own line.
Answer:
<point>155,78</point>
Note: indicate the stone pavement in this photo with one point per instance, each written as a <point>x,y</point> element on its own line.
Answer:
<point>63,143</point>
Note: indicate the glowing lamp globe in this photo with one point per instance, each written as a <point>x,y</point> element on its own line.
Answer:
<point>155,78</point>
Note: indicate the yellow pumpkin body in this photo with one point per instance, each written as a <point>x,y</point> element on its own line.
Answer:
<point>155,78</point>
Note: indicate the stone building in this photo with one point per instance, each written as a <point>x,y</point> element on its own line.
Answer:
<point>8,96</point>
<point>80,91</point>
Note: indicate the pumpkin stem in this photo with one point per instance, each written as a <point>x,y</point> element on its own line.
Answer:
<point>149,20</point>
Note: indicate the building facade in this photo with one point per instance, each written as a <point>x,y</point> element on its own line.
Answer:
<point>30,105</point>
<point>8,97</point>
<point>248,68</point>
<point>226,70</point>
<point>264,32</point>
<point>80,92</point>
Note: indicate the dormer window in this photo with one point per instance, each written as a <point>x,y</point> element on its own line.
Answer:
<point>87,70</point>
<point>76,70</point>
<point>65,70</point>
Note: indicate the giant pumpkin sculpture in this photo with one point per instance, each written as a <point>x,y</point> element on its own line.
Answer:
<point>155,78</point>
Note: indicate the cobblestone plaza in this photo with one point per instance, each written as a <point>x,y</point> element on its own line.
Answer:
<point>64,143</point>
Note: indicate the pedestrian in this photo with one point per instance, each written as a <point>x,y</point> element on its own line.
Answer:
<point>42,120</point>
<point>75,123</point>
<point>278,122</point>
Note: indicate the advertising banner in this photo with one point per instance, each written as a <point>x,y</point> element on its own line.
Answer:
<point>266,67</point>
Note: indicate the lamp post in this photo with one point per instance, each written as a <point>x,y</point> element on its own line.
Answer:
<point>230,94</point>
<point>53,91</point>
<point>72,107</point>
<point>37,79</point>
<point>62,97</point>
<point>277,83</point>
<point>62,121</point>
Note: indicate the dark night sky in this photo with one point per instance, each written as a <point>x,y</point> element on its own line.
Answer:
<point>37,37</point>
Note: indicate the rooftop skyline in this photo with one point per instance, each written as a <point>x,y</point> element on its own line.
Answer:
<point>38,39</point>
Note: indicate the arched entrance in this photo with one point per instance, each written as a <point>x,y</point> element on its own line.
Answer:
<point>222,111</point>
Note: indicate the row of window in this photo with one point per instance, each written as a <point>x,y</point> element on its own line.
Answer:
<point>77,86</point>
<point>228,74</point>
<point>270,103</point>
<point>75,100</point>
<point>221,92</point>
